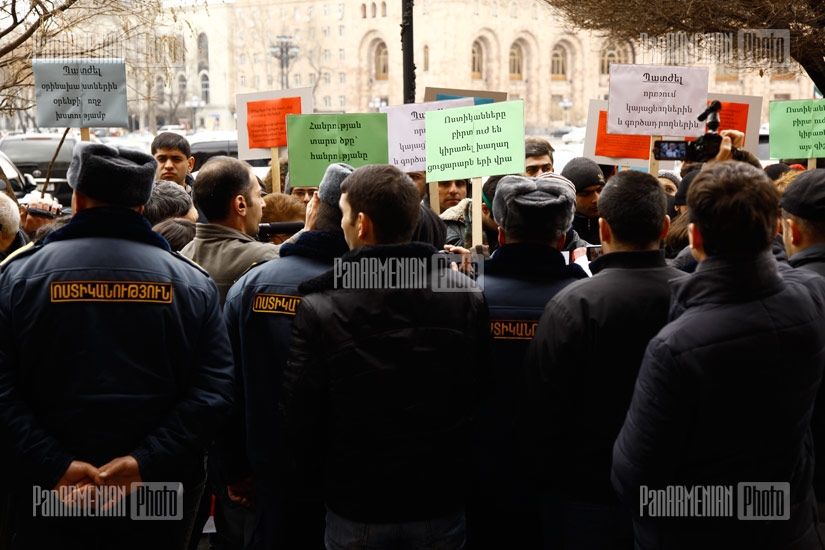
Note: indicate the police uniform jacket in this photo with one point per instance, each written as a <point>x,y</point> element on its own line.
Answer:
<point>112,345</point>
<point>725,395</point>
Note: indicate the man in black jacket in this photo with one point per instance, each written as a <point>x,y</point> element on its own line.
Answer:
<point>383,374</point>
<point>583,362</point>
<point>723,402</point>
<point>803,221</point>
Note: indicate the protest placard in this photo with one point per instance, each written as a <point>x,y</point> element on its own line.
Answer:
<point>656,100</point>
<point>406,131</point>
<point>468,142</point>
<point>480,97</point>
<point>80,92</point>
<point>797,129</point>
<point>316,141</point>
<point>262,114</point>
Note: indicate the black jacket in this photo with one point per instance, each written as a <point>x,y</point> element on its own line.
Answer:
<point>587,228</point>
<point>582,367</point>
<point>381,384</point>
<point>725,395</point>
<point>811,258</point>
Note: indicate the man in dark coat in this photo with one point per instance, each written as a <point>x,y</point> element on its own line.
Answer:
<point>803,221</point>
<point>136,376</point>
<point>726,391</point>
<point>528,269</point>
<point>583,362</point>
<point>384,374</point>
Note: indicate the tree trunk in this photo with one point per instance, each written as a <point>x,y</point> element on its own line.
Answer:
<point>813,62</point>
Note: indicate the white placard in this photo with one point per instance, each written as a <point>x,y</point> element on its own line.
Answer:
<point>656,99</point>
<point>406,131</point>
<point>244,152</point>
<point>80,92</point>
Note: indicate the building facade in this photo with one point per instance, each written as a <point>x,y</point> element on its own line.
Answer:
<point>349,53</point>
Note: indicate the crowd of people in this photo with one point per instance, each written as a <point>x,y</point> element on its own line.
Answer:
<point>377,380</point>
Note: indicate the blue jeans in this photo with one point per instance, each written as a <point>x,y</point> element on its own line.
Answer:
<point>446,533</point>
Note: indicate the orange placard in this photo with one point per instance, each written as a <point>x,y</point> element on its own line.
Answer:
<point>266,121</point>
<point>733,116</point>
<point>620,145</point>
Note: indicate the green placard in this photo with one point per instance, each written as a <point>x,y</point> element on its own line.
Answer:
<point>797,129</point>
<point>471,142</point>
<point>316,141</point>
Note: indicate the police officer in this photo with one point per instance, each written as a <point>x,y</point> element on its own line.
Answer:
<point>115,368</point>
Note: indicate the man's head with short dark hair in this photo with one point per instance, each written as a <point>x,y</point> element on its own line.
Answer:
<point>168,200</point>
<point>734,206</point>
<point>538,156</point>
<point>634,205</point>
<point>171,140</point>
<point>384,195</point>
<point>219,181</point>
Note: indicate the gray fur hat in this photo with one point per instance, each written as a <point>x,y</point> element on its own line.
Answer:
<point>122,177</point>
<point>329,190</point>
<point>530,205</point>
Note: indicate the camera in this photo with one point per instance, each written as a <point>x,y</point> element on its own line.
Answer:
<point>266,230</point>
<point>702,148</point>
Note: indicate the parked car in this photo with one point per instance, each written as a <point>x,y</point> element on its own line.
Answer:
<point>574,136</point>
<point>20,183</point>
<point>206,145</point>
<point>32,154</point>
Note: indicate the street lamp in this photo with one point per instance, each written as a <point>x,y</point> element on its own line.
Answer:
<point>565,104</point>
<point>285,51</point>
<point>195,102</point>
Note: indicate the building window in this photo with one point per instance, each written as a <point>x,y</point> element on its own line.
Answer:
<point>181,88</point>
<point>269,80</point>
<point>558,63</point>
<point>516,62</point>
<point>297,79</point>
<point>341,30</point>
<point>726,71</point>
<point>326,55</point>
<point>256,58</point>
<point>342,101</point>
<point>478,61</point>
<point>243,59</point>
<point>311,33</point>
<point>782,72</point>
<point>326,78</point>
<point>342,78</point>
<point>426,58</point>
<point>205,88</point>
<point>325,30</point>
<point>382,62</point>
<point>160,91</point>
<point>363,11</point>
<point>341,55</point>
<point>373,9</point>
<point>203,52</point>
<point>327,101</point>
<point>311,79</point>
<point>297,14</point>
<point>256,82</point>
<point>243,80</point>
<point>613,52</point>
<point>326,10</point>
<point>383,9</point>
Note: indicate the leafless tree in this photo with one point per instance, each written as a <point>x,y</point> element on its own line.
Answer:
<point>627,19</point>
